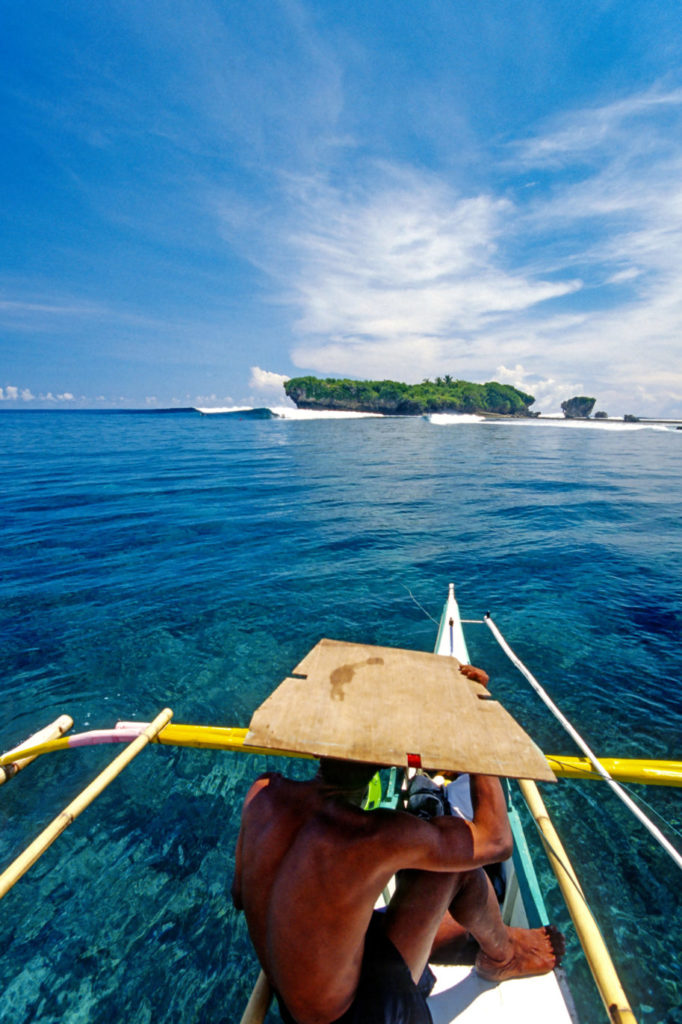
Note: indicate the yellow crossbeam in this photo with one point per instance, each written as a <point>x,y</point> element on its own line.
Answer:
<point>650,772</point>
<point>211,737</point>
<point>15,760</point>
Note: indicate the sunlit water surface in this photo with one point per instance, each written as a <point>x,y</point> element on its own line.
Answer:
<point>190,562</point>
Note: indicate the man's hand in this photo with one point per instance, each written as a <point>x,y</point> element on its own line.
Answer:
<point>477,674</point>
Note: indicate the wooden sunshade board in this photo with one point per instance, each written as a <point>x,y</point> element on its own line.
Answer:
<point>381,704</point>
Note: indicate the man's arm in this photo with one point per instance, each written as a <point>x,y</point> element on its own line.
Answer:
<point>451,843</point>
<point>484,840</point>
<point>493,838</point>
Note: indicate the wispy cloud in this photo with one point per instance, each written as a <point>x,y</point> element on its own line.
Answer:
<point>585,135</point>
<point>403,265</point>
<point>625,217</point>
<point>401,275</point>
<point>54,311</point>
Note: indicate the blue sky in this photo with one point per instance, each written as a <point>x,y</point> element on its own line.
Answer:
<point>200,199</point>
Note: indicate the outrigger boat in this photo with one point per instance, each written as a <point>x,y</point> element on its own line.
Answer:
<point>459,994</point>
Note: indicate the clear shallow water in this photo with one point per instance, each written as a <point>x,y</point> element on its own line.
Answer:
<point>191,561</point>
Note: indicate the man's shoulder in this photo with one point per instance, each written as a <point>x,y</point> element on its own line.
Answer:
<point>268,776</point>
<point>264,781</point>
<point>273,784</point>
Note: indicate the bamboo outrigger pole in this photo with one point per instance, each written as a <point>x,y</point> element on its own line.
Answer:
<point>52,731</point>
<point>259,1001</point>
<point>598,957</point>
<point>27,859</point>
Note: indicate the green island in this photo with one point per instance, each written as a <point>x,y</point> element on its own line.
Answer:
<point>392,397</point>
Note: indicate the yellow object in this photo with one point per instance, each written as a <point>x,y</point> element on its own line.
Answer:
<point>30,753</point>
<point>39,845</point>
<point>211,737</point>
<point>594,947</point>
<point>650,772</point>
<point>9,767</point>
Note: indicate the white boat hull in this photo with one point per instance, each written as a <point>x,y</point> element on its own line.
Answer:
<point>459,994</point>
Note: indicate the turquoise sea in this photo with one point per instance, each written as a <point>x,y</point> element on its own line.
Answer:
<point>153,560</point>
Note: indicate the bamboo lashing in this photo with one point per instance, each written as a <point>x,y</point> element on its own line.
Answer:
<point>259,1001</point>
<point>598,957</point>
<point>9,769</point>
<point>31,854</point>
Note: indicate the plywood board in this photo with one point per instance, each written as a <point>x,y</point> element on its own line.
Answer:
<point>381,704</point>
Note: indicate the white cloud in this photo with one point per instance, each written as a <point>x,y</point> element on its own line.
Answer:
<point>548,393</point>
<point>584,134</point>
<point>403,273</point>
<point>267,380</point>
<point>627,215</point>
<point>49,397</point>
<point>10,393</point>
<point>578,278</point>
<point>623,275</point>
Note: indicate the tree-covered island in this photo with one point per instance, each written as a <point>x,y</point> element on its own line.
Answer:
<point>394,398</point>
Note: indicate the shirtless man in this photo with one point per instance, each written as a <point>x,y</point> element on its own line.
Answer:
<point>310,865</point>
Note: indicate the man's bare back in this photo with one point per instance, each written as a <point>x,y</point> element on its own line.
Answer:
<point>310,866</point>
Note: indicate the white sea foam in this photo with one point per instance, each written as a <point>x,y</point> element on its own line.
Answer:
<point>442,419</point>
<point>289,413</point>
<point>546,421</point>
<point>550,420</point>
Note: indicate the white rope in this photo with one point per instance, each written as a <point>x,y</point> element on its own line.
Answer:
<point>617,789</point>
<point>420,606</point>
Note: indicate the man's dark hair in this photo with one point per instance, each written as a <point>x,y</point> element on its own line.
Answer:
<point>347,774</point>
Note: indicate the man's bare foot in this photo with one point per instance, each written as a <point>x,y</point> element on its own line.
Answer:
<point>534,951</point>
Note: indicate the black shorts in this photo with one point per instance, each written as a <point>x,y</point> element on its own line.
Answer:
<point>386,993</point>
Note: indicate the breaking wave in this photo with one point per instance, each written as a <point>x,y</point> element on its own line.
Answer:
<point>442,419</point>
<point>285,412</point>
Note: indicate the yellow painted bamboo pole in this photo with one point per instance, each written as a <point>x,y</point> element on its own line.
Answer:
<point>203,737</point>
<point>598,957</point>
<point>647,771</point>
<point>24,861</point>
<point>259,1002</point>
<point>650,772</point>
<point>213,737</point>
<point>54,729</point>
